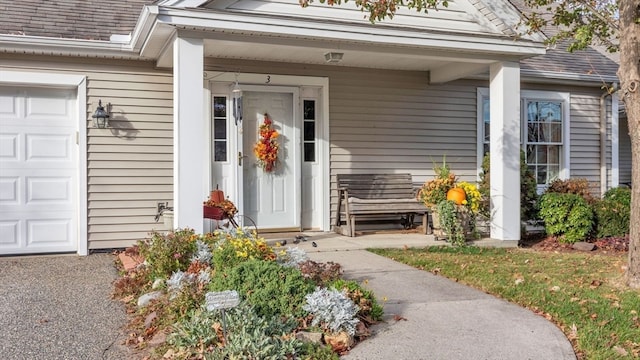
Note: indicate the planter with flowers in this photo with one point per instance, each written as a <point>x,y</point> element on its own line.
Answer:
<point>453,204</point>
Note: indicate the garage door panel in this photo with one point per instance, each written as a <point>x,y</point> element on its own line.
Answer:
<point>9,190</point>
<point>54,232</point>
<point>9,144</point>
<point>48,191</point>
<point>52,147</point>
<point>39,161</point>
<point>9,234</point>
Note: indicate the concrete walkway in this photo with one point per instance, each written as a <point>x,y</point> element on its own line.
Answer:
<point>440,319</point>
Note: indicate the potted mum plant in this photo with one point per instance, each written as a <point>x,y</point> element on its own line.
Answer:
<point>453,205</point>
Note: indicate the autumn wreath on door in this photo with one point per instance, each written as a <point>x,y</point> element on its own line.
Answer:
<point>266,148</point>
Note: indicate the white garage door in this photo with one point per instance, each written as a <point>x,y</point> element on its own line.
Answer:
<point>38,170</point>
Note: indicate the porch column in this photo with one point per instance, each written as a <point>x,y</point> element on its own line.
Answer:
<point>188,128</point>
<point>504,94</point>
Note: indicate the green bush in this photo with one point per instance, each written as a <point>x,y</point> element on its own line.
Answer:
<point>270,287</point>
<point>528,189</point>
<point>567,216</point>
<point>168,253</point>
<point>571,186</point>
<point>249,335</point>
<point>613,213</point>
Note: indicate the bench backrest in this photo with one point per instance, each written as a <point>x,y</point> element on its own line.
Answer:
<point>377,186</point>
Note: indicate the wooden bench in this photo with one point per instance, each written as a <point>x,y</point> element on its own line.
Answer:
<point>360,195</point>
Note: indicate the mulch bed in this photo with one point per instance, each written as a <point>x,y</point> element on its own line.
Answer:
<point>542,242</point>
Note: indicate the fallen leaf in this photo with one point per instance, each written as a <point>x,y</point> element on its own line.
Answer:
<point>398,318</point>
<point>620,350</point>
<point>573,334</point>
<point>574,299</point>
<point>519,281</point>
<point>595,284</point>
<point>436,271</point>
<point>593,316</point>
<point>555,288</point>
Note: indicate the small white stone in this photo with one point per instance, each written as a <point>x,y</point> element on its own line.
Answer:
<point>145,299</point>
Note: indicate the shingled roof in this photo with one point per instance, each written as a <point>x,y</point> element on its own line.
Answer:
<point>98,20</point>
<point>71,19</point>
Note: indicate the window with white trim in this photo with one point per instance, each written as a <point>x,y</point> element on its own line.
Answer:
<point>220,139</point>
<point>545,132</point>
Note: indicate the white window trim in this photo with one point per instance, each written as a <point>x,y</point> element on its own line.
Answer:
<point>565,97</point>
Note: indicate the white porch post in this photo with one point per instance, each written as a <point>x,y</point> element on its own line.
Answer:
<point>504,94</point>
<point>188,126</point>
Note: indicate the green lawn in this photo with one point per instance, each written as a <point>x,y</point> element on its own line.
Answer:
<point>582,293</point>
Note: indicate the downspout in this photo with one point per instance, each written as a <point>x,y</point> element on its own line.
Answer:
<point>603,136</point>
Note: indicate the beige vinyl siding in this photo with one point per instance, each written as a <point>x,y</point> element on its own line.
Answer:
<point>585,139</point>
<point>130,165</point>
<point>624,155</point>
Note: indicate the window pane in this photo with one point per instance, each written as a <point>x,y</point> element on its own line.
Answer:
<point>485,149</point>
<point>220,129</point>
<point>541,174</point>
<point>532,111</point>
<point>543,135</point>
<point>219,106</point>
<point>550,111</point>
<point>532,132</point>
<point>554,155</point>
<point>220,150</point>
<point>309,131</point>
<point>531,154</point>
<point>554,172</point>
<point>309,109</point>
<point>542,154</point>
<point>555,132</point>
<point>309,152</point>
<point>487,127</point>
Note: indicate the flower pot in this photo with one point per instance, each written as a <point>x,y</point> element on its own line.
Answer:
<point>463,216</point>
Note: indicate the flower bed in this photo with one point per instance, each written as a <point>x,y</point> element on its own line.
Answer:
<point>289,307</point>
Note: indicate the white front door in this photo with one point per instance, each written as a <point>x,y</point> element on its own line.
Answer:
<point>271,198</point>
<point>38,171</point>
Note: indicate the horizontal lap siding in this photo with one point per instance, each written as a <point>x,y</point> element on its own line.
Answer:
<point>585,139</point>
<point>624,159</point>
<point>130,165</point>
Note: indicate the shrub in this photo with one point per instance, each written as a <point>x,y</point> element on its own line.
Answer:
<point>332,310</point>
<point>613,213</point>
<point>270,287</point>
<point>165,254</point>
<point>370,310</point>
<point>567,216</point>
<point>249,335</point>
<point>571,186</point>
<point>528,189</point>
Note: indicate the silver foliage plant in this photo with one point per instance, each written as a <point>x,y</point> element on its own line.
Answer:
<point>203,253</point>
<point>291,256</point>
<point>332,309</point>
<point>178,280</point>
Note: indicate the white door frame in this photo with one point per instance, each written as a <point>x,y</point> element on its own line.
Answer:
<point>79,84</point>
<point>246,81</point>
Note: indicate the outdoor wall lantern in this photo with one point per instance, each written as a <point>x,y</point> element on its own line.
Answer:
<point>101,116</point>
<point>333,57</point>
<point>236,94</point>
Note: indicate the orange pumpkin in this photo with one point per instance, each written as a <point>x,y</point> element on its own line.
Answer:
<point>217,196</point>
<point>457,195</point>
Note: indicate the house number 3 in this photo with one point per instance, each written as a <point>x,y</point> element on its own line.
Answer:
<point>268,79</point>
